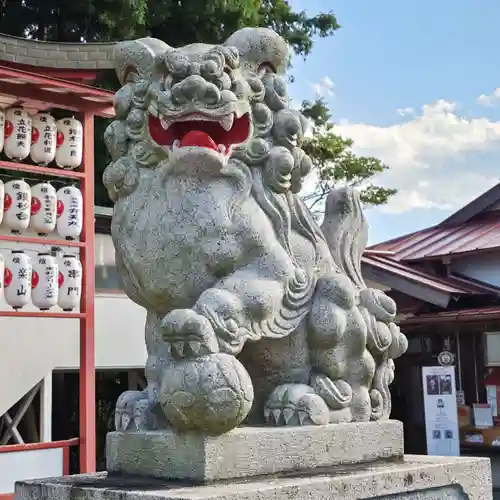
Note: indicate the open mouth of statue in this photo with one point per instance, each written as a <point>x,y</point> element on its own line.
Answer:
<point>219,134</point>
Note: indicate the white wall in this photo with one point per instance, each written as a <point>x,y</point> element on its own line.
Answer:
<point>483,267</point>
<point>24,465</point>
<point>30,348</point>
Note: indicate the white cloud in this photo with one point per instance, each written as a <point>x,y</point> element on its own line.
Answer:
<point>405,111</point>
<point>438,159</point>
<point>324,87</point>
<point>489,99</point>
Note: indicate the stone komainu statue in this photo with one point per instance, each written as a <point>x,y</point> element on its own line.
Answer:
<point>255,314</point>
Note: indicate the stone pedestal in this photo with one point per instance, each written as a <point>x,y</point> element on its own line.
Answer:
<point>351,461</point>
<point>251,451</point>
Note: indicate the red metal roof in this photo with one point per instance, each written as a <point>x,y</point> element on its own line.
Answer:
<point>443,240</point>
<point>449,284</point>
<point>38,92</point>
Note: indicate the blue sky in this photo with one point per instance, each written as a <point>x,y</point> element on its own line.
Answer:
<point>413,84</point>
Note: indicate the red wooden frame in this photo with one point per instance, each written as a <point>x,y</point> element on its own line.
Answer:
<point>65,445</point>
<point>75,75</point>
<point>82,100</point>
<point>59,93</point>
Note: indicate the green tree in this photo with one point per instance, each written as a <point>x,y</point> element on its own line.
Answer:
<point>179,22</point>
<point>335,161</point>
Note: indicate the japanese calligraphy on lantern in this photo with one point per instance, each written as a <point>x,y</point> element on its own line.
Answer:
<point>70,282</point>
<point>2,274</point>
<point>17,133</point>
<point>17,205</point>
<point>43,138</point>
<point>45,282</point>
<point>2,198</point>
<point>43,208</point>
<point>69,143</point>
<point>17,279</point>
<point>69,212</point>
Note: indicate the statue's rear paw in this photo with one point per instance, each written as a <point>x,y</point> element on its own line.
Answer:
<point>188,334</point>
<point>132,410</point>
<point>296,404</point>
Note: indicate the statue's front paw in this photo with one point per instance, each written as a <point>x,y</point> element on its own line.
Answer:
<point>296,404</point>
<point>188,334</point>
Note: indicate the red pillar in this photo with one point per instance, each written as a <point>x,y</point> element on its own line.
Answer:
<point>87,340</point>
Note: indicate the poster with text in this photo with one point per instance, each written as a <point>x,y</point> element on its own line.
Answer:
<point>440,406</point>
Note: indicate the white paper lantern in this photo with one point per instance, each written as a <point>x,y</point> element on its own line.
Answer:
<point>2,197</point>
<point>17,133</point>
<point>69,212</point>
<point>69,143</point>
<point>70,283</point>
<point>43,208</point>
<point>2,128</point>
<point>17,279</point>
<point>17,205</point>
<point>45,282</point>
<point>43,138</point>
<point>2,274</point>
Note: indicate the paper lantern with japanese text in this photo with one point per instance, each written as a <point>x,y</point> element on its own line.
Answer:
<point>17,134</point>
<point>69,149</point>
<point>17,279</point>
<point>70,282</point>
<point>69,212</point>
<point>2,128</point>
<point>2,197</point>
<point>43,208</point>
<point>17,205</point>
<point>45,281</point>
<point>2,274</point>
<point>43,138</point>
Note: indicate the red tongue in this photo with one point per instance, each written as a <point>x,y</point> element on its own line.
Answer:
<point>200,139</point>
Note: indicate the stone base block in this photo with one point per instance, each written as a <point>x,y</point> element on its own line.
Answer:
<point>410,478</point>
<point>251,451</point>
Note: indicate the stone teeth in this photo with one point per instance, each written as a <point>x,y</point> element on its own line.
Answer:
<point>227,121</point>
<point>239,112</point>
<point>222,148</point>
<point>176,144</point>
<point>164,123</point>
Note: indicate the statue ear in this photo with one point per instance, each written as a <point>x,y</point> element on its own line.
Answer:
<point>260,47</point>
<point>138,58</point>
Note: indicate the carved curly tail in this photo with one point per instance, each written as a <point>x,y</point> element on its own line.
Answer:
<point>346,231</point>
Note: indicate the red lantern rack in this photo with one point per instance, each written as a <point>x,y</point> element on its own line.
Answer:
<point>36,91</point>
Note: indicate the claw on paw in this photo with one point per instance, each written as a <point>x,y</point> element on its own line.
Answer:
<point>188,334</point>
<point>296,404</point>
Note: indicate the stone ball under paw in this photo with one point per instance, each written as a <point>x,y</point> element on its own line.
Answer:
<point>211,394</point>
